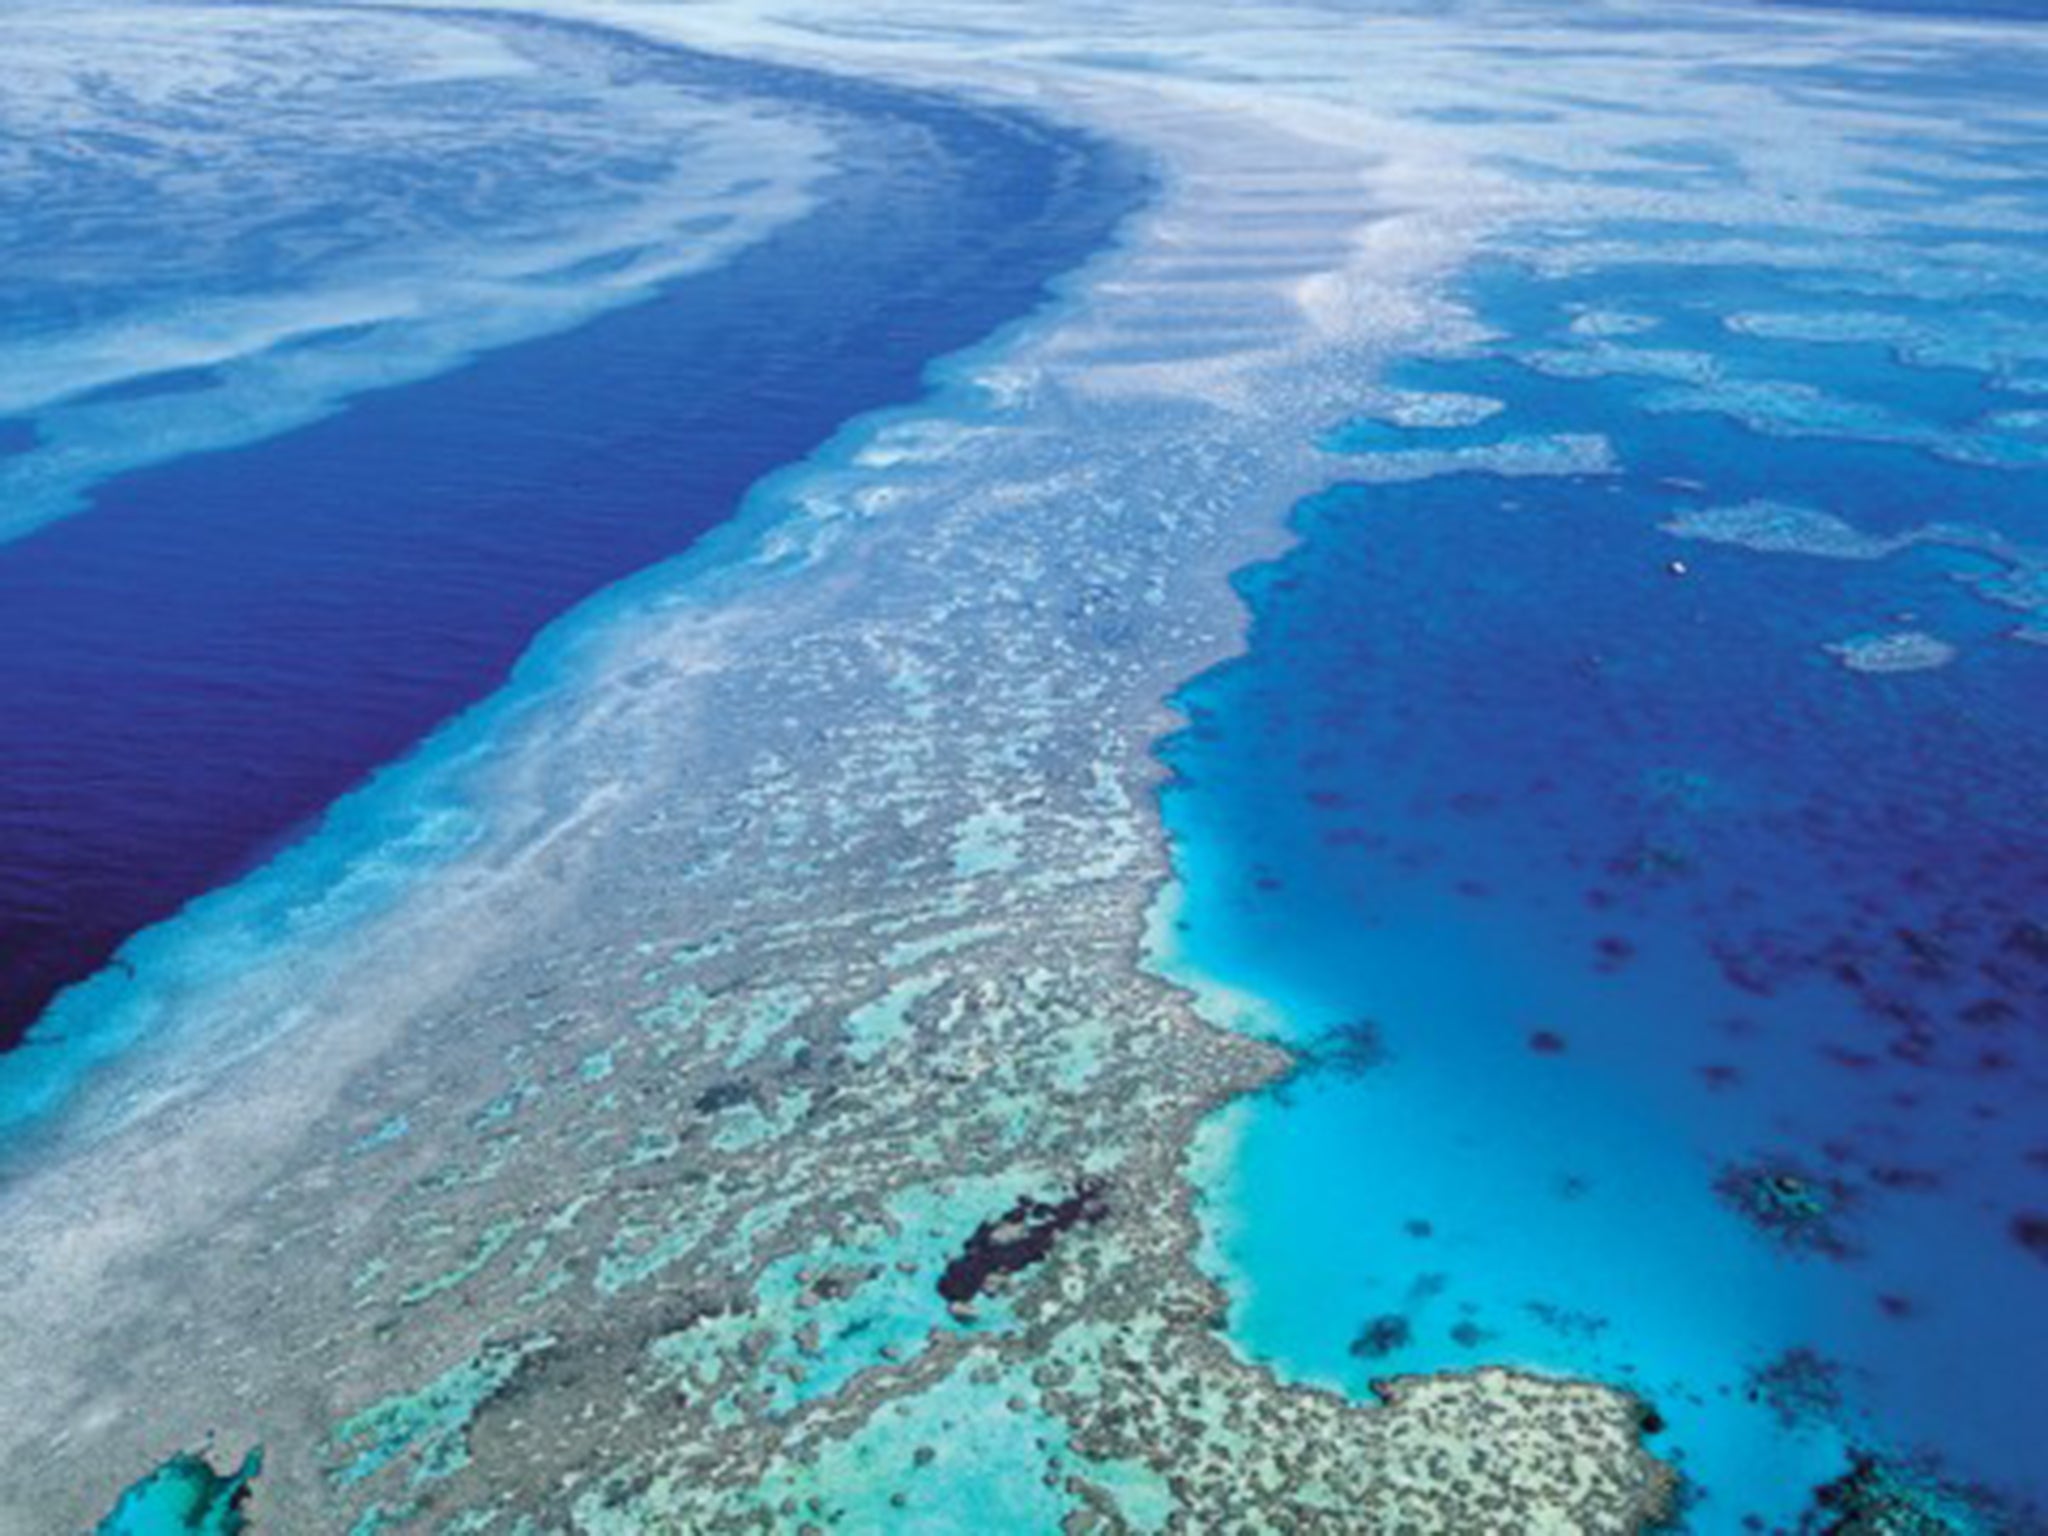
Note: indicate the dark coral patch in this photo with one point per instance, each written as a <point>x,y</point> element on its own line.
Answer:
<point>1802,1211</point>
<point>1878,1496</point>
<point>1567,1322</point>
<point>1652,861</point>
<point>721,1096</point>
<point>1614,952</point>
<point>1987,1012</point>
<point>2030,1231</point>
<point>1017,1239</point>
<point>1381,1336</point>
<point>1798,1387</point>
<point>2028,940</point>
<point>1926,954</point>
<point>1350,1049</point>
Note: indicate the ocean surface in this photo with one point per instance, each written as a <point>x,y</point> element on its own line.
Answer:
<point>1650,863</point>
<point>226,614</point>
<point>1964,10</point>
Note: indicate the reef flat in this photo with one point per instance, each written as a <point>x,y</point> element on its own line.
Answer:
<point>767,1119</point>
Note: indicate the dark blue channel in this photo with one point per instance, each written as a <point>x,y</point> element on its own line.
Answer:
<point>197,665</point>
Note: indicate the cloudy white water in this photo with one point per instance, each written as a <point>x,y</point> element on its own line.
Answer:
<point>1326,171</point>
<point>220,224</point>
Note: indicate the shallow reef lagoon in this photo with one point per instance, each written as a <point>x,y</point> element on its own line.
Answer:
<point>1650,864</point>
<point>498,325</point>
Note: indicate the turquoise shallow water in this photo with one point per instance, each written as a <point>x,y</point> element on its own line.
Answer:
<point>1671,977</point>
<point>186,1496</point>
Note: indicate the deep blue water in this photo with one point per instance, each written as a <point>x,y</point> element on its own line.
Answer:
<point>192,669</point>
<point>1689,990</point>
